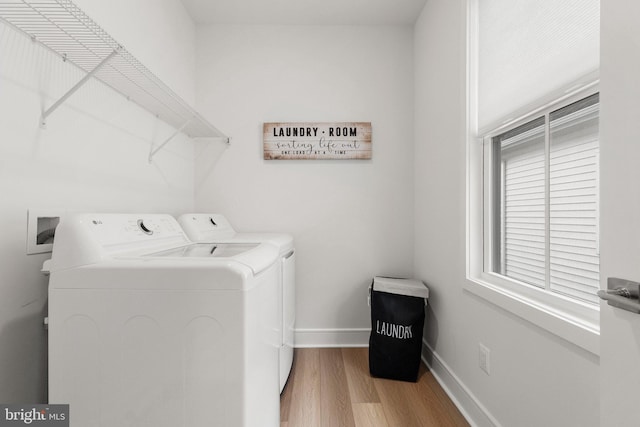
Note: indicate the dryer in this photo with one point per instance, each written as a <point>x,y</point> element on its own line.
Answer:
<point>202,227</point>
<point>147,328</point>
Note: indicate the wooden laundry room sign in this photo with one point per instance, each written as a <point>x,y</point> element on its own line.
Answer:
<point>317,141</point>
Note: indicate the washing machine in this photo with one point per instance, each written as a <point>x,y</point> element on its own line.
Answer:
<point>147,328</point>
<point>212,228</point>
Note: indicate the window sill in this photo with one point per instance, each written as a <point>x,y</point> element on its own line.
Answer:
<point>579,332</point>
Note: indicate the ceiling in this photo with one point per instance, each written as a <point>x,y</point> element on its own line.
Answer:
<point>305,12</point>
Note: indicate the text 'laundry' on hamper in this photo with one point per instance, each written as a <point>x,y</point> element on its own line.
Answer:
<point>397,322</point>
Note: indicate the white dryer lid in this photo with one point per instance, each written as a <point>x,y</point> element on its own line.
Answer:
<point>206,250</point>
<point>256,256</point>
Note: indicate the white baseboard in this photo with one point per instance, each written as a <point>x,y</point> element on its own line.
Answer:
<point>470,407</point>
<point>358,337</point>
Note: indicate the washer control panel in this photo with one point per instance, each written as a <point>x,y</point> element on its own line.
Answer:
<point>123,229</point>
<point>206,227</point>
<point>89,238</point>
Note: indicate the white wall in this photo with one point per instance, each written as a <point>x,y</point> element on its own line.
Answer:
<point>537,379</point>
<point>91,157</point>
<point>351,220</point>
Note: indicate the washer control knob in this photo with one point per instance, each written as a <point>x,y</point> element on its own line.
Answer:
<point>144,228</point>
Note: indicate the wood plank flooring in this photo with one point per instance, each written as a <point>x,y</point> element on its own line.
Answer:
<point>331,387</point>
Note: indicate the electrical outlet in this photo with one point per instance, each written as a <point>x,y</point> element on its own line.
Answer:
<point>484,360</point>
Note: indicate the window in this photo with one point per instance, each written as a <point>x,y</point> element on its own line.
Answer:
<point>532,163</point>
<point>533,216</point>
<point>544,202</point>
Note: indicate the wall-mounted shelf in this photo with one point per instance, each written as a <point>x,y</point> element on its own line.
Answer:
<point>65,29</point>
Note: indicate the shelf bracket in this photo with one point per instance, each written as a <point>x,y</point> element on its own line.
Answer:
<point>153,151</point>
<point>90,74</point>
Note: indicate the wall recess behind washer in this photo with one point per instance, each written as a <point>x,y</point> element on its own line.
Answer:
<point>41,226</point>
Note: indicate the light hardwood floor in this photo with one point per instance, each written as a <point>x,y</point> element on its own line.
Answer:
<point>331,387</point>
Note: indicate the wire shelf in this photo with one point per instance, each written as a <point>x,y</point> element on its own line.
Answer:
<point>65,29</point>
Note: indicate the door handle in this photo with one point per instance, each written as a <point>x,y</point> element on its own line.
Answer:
<point>622,294</point>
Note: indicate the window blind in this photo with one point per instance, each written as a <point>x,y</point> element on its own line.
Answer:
<point>574,201</point>
<point>573,259</point>
<point>523,224</point>
<point>528,50</point>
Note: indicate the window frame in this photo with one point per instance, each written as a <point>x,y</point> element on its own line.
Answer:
<point>571,319</point>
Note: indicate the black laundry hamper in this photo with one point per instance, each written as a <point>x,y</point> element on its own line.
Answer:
<point>397,322</point>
